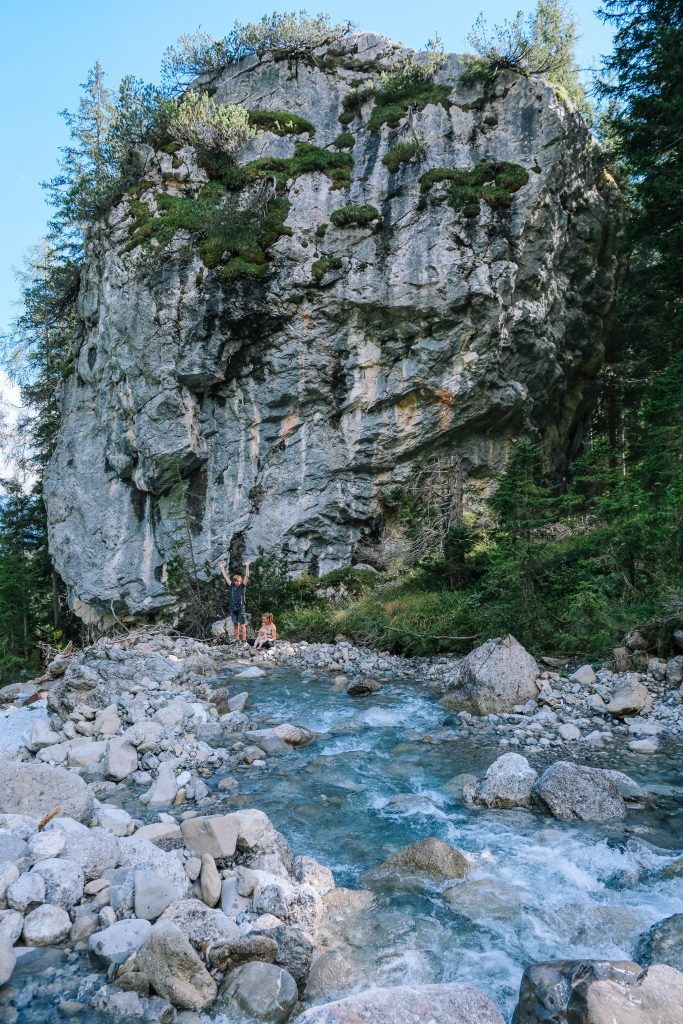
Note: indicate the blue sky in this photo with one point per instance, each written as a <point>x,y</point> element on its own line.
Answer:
<point>50,44</point>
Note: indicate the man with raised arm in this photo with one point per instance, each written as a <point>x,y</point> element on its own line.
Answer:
<point>238,603</point>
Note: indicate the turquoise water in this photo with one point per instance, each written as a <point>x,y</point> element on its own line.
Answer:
<point>377,777</point>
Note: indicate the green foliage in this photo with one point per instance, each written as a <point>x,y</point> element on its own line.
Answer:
<point>354,101</point>
<point>495,183</point>
<point>358,216</point>
<point>404,153</point>
<point>291,36</point>
<point>402,90</point>
<point>227,233</point>
<point>281,122</point>
<point>198,121</point>
<point>307,159</point>
<point>345,140</point>
<point>323,265</point>
<point>540,45</point>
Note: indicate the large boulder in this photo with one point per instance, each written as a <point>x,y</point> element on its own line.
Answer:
<point>507,783</point>
<point>493,678</point>
<point>629,697</point>
<point>143,410</point>
<point>407,1004</point>
<point>259,992</point>
<point>200,924</point>
<point>173,969</point>
<point>36,789</point>
<point>428,858</point>
<point>663,944</point>
<point>547,988</point>
<point>570,791</point>
<point>655,997</point>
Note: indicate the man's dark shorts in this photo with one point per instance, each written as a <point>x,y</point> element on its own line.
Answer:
<point>239,618</point>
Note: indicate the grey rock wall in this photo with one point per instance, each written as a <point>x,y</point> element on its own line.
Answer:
<point>277,415</point>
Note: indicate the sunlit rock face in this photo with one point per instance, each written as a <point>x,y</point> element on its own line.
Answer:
<point>277,413</point>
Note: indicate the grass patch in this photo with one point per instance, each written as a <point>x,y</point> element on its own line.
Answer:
<point>494,183</point>
<point>281,122</point>
<point>358,216</point>
<point>323,265</point>
<point>225,232</point>
<point>345,140</point>
<point>403,153</point>
<point>400,92</point>
<point>353,103</point>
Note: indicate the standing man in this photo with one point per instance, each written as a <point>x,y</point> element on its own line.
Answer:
<point>238,605</point>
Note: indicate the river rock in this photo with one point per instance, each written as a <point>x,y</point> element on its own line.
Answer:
<point>26,892</point>
<point>200,924</point>
<point>569,791</point>
<point>210,881</point>
<point>568,732</point>
<point>585,676</point>
<point>310,871</point>
<point>64,881</point>
<point>330,974</point>
<point>140,853</point>
<point>547,988</point>
<point>173,969</point>
<point>674,671</point>
<point>507,783</point>
<point>120,759</point>
<point>644,746</point>
<point>407,1004</point>
<point>429,858</point>
<point>115,944</point>
<point>629,697</point>
<point>493,678</point>
<point>259,991</point>
<point>226,954</point>
<point>42,735</point>
<point>165,787</point>
<point>655,997</point>
<point>7,961</point>
<point>294,952</point>
<point>363,687</point>
<point>94,852</point>
<point>152,894</point>
<point>11,925</point>
<point>36,789</point>
<point>12,848</point>
<point>663,944</point>
<point>46,926</point>
<point>216,834</point>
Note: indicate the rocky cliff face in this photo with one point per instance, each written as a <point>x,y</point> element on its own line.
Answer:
<point>223,403</point>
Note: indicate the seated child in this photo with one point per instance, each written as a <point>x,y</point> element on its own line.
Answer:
<point>267,634</point>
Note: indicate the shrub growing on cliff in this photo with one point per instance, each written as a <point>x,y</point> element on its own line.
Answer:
<point>198,121</point>
<point>495,183</point>
<point>404,153</point>
<point>281,122</point>
<point>540,45</point>
<point>359,216</point>
<point>292,36</point>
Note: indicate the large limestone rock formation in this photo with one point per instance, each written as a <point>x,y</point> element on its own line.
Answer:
<point>278,412</point>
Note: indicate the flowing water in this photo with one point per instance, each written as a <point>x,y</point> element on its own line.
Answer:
<point>380,775</point>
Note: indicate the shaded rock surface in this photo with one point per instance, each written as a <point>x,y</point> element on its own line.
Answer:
<point>438,1004</point>
<point>570,791</point>
<point>493,678</point>
<point>435,329</point>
